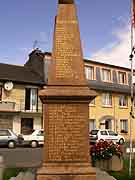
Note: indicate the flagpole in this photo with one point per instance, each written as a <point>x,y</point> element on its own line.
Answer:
<point>131,86</point>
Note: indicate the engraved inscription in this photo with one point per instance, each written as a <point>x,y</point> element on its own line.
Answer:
<point>65,50</point>
<point>67,129</point>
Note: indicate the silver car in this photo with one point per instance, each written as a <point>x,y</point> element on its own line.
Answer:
<point>9,138</point>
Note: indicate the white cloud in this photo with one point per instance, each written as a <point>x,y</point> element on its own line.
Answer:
<point>116,52</point>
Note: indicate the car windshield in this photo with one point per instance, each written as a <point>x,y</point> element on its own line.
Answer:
<point>14,133</point>
<point>94,132</point>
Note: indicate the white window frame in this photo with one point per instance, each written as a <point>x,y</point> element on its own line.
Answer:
<point>124,125</point>
<point>122,80</point>
<point>0,92</point>
<point>33,100</point>
<point>93,102</point>
<point>134,101</point>
<point>106,75</point>
<point>92,124</point>
<point>123,101</point>
<point>107,99</point>
<point>89,72</point>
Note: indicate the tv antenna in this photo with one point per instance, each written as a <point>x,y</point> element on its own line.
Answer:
<point>36,44</point>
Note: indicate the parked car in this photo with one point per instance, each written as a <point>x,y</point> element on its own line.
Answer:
<point>109,135</point>
<point>9,138</point>
<point>35,139</point>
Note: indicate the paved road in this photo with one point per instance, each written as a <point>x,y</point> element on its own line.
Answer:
<point>28,157</point>
<point>22,157</point>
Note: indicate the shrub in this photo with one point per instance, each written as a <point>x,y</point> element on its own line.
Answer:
<point>105,150</point>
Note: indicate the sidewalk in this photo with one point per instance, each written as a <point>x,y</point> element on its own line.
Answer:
<point>102,175</point>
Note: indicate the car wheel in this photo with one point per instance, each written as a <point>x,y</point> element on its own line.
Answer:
<point>34,144</point>
<point>11,144</point>
<point>121,141</point>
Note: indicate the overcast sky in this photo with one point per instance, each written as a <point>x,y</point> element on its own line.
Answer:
<point>104,27</point>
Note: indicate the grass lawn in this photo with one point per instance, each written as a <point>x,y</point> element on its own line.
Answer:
<point>124,174</point>
<point>12,172</point>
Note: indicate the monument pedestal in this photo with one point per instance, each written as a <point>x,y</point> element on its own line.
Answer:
<point>66,150</point>
<point>66,171</point>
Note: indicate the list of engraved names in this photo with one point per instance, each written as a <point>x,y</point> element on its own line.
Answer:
<point>67,129</point>
<point>65,50</point>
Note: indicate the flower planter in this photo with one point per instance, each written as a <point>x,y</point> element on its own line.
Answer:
<point>113,164</point>
<point>103,164</point>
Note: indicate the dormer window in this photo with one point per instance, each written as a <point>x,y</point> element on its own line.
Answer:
<point>106,75</point>
<point>122,77</point>
<point>89,72</point>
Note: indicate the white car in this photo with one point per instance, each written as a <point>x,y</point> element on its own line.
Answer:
<point>35,139</point>
<point>106,134</point>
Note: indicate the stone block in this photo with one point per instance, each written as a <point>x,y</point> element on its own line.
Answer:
<point>29,176</point>
<point>1,167</point>
<point>20,176</point>
<point>66,177</point>
<point>12,178</point>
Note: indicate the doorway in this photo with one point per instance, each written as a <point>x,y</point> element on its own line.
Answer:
<point>108,124</point>
<point>26,126</point>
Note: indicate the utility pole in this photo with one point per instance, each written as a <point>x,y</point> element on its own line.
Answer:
<point>132,110</point>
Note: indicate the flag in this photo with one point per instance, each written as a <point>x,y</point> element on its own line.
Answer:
<point>133,13</point>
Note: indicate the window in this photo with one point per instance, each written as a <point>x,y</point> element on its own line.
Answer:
<point>89,72</point>
<point>0,93</point>
<point>40,133</point>
<point>107,99</point>
<point>92,102</point>
<point>31,99</point>
<point>26,126</point>
<point>123,101</point>
<point>94,132</point>
<point>134,101</point>
<point>122,77</point>
<point>92,124</point>
<point>104,133</point>
<point>112,133</point>
<point>124,125</point>
<point>4,133</point>
<point>106,75</point>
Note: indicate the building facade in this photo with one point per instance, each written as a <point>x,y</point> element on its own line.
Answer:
<point>111,108</point>
<point>21,108</point>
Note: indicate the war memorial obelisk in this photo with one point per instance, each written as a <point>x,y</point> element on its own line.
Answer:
<point>66,99</point>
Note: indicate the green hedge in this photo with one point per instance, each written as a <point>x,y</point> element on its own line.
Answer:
<point>12,172</point>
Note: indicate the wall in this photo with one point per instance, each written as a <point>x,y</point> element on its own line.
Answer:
<point>17,95</point>
<point>98,111</point>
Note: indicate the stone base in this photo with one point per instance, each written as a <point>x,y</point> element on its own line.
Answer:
<point>66,172</point>
<point>66,177</point>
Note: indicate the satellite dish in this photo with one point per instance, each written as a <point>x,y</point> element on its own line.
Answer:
<point>8,86</point>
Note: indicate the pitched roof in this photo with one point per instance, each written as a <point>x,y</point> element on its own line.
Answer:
<point>109,87</point>
<point>106,64</point>
<point>19,74</point>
